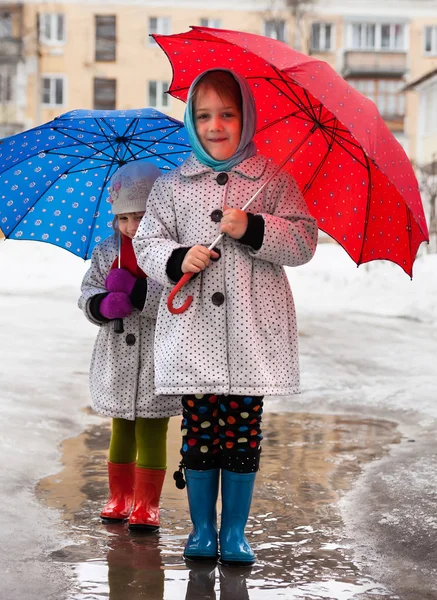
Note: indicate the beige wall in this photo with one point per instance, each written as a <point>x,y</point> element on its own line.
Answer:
<point>137,61</point>
<point>419,64</point>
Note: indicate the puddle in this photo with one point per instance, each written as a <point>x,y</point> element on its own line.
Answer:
<point>308,463</point>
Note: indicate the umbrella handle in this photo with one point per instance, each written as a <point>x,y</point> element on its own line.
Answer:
<point>118,326</point>
<point>177,311</point>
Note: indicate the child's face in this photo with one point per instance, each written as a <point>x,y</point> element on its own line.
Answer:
<point>128,223</point>
<point>218,123</point>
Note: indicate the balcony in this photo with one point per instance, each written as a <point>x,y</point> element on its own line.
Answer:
<point>360,63</point>
<point>11,50</point>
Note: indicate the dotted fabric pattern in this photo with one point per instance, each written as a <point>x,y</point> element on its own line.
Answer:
<point>221,432</point>
<point>247,345</point>
<point>122,375</point>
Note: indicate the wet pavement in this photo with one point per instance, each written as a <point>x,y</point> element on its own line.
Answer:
<point>308,463</point>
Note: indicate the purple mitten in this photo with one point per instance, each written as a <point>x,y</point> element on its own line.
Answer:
<point>116,305</point>
<point>120,280</point>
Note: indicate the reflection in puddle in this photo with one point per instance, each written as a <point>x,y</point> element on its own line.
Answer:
<point>308,463</point>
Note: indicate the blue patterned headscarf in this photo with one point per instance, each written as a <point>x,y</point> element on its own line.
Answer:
<point>246,147</point>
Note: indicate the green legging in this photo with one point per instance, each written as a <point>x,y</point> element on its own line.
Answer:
<point>142,440</point>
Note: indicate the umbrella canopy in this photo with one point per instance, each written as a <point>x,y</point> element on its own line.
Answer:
<point>355,176</point>
<point>53,178</point>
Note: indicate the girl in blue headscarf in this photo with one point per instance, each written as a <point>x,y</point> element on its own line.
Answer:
<point>237,342</point>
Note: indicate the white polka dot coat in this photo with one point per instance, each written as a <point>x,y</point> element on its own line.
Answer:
<point>121,373</point>
<point>243,340</point>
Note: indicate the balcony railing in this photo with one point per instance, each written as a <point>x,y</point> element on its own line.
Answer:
<point>11,50</point>
<point>389,64</point>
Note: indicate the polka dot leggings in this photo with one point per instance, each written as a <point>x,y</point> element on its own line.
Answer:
<point>221,432</point>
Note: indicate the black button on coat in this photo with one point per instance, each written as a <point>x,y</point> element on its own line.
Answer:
<point>130,339</point>
<point>216,215</point>
<point>218,299</point>
<point>222,178</point>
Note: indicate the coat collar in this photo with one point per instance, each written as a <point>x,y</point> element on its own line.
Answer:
<point>251,168</point>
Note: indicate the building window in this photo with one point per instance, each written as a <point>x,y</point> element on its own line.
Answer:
<point>160,25</point>
<point>157,97</point>
<point>52,90</point>
<point>378,36</point>
<point>106,42</point>
<point>52,28</point>
<point>321,37</point>
<point>430,38</point>
<point>105,93</point>
<point>215,23</point>
<point>385,93</point>
<point>6,86</point>
<point>275,29</point>
<point>5,25</point>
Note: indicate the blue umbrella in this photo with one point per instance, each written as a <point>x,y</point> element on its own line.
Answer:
<point>54,178</point>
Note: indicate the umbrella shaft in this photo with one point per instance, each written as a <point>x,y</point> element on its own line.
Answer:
<point>275,172</point>
<point>119,249</point>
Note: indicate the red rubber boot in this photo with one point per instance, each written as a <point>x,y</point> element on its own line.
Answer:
<point>121,492</point>
<point>148,487</point>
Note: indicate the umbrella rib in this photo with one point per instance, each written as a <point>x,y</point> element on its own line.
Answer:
<point>65,130</point>
<point>53,151</point>
<point>111,144</point>
<point>319,167</point>
<point>296,101</point>
<point>58,152</point>
<point>345,139</point>
<point>87,144</point>
<point>61,151</point>
<point>362,163</point>
<point>161,156</point>
<point>410,238</point>
<point>154,142</point>
<point>90,235</point>
<point>123,135</point>
<point>310,109</point>
<point>311,106</point>
<point>175,127</point>
<point>127,147</point>
<point>97,208</point>
<point>135,157</point>
<point>366,218</point>
<point>282,118</point>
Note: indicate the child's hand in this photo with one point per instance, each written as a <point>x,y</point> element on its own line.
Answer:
<point>234,222</point>
<point>120,280</point>
<point>197,259</point>
<point>116,305</point>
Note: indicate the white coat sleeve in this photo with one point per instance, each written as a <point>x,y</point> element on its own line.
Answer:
<point>153,296</point>
<point>290,232</point>
<point>156,236</point>
<point>93,283</point>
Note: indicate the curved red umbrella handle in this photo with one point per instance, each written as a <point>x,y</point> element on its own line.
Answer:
<point>177,311</point>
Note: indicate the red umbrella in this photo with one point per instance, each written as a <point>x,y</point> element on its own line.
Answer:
<point>356,178</point>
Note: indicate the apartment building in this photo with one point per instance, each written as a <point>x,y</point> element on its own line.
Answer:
<point>64,54</point>
<point>13,82</point>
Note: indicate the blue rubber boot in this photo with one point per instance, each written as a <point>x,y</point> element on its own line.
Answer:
<point>202,488</point>
<point>237,490</point>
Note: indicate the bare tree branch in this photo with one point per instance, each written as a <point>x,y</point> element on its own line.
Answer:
<point>277,12</point>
